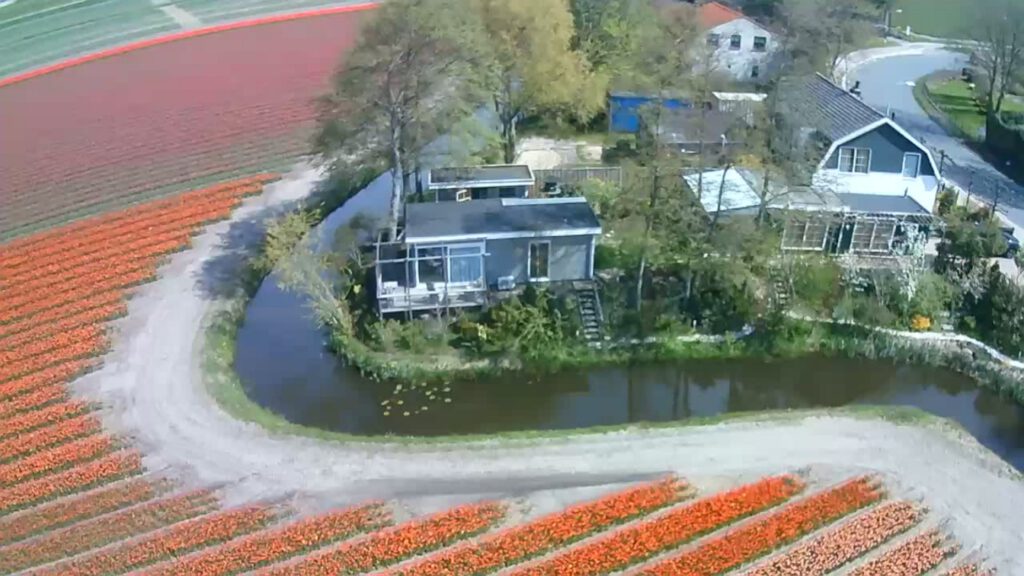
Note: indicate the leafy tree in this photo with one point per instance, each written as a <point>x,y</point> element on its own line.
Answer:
<point>409,75</point>
<point>611,34</point>
<point>824,30</point>
<point>999,29</point>
<point>999,314</point>
<point>529,64</point>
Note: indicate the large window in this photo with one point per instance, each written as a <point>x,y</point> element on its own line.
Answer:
<point>760,43</point>
<point>855,160</point>
<point>540,260</point>
<point>455,264</point>
<point>911,164</point>
<point>430,265</point>
<point>735,42</point>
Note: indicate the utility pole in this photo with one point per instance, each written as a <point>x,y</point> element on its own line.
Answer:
<point>942,163</point>
<point>995,203</point>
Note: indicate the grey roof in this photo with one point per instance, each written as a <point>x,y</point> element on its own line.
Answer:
<point>874,203</point>
<point>829,109</point>
<point>480,175</point>
<point>507,216</point>
<point>684,126</point>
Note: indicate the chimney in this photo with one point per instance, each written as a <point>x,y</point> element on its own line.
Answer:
<point>855,90</point>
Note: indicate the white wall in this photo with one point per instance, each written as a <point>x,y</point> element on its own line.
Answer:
<point>922,189</point>
<point>738,63</point>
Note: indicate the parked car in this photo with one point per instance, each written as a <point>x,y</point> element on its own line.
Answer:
<point>1012,243</point>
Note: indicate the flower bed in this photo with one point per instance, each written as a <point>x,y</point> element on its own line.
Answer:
<point>634,544</point>
<point>841,545</point>
<point>77,479</point>
<point>914,557</point>
<point>545,534</point>
<point>395,544</point>
<point>179,539</point>
<point>277,544</point>
<point>58,373</point>
<point>56,435</point>
<point>81,508</point>
<point>760,537</point>
<point>43,417</point>
<point>92,534</point>
<point>56,459</point>
<point>33,400</point>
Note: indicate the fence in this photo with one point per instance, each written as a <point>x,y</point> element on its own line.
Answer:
<point>572,175</point>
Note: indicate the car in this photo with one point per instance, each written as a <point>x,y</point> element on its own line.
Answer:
<point>1012,243</point>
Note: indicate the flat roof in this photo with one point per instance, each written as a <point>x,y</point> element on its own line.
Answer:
<point>499,218</point>
<point>740,96</point>
<point>737,192</point>
<point>878,204</point>
<point>479,176</point>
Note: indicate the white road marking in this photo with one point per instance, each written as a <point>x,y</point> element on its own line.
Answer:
<point>182,17</point>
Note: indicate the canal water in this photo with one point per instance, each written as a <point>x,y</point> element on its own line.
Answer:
<point>285,367</point>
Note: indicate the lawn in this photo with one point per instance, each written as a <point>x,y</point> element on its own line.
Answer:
<point>943,18</point>
<point>955,98</point>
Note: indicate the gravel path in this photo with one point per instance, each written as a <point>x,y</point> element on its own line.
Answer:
<point>151,385</point>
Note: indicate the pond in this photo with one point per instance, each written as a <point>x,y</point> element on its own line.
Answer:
<point>285,367</point>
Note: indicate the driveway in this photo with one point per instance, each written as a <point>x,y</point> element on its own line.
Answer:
<point>887,84</point>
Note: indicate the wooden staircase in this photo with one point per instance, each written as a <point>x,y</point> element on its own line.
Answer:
<point>591,315</point>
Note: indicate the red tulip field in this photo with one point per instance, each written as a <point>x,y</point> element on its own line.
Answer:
<point>153,121</point>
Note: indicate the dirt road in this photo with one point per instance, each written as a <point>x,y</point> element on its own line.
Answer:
<point>153,389</point>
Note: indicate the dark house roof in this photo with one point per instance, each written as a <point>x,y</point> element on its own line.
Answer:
<point>877,204</point>
<point>470,176</point>
<point>684,126</point>
<point>499,218</point>
<point>818,102</point>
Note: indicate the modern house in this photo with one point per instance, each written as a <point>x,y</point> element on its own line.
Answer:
<point>738,46</point>
<point>873,186</point>
<point>460,254</point>
<point>866,154</point>
<point>460,184</point>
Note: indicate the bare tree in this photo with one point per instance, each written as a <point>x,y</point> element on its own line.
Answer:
<point>824,30</point>
<point>411,68</point>
<point>1000,32</point>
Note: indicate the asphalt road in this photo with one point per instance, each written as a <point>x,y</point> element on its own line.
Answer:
<point>887,84</point>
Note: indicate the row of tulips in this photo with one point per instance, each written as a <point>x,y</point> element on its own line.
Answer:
<point>841,545</point>
<point>119,275</point>
<point>33,400</point>
<point>760,537</point>
<point>93,343</point>
<point>75,509</point>
<point>913,557</point>
<point>56,374</point>
<point>48,437</point>
<point>636,543</point>
<point>83,271</point>
<point>32,329</point>
<point>162,234</point>
<point>277,544</point>
<point>395,544</point>
<point>127,523</point>
<point>49,343</point>
<point>540,536</point>
<point>44,319</point>
<point>179,539</point>
<point>47,416</point>
<point>78,479</point>
<point>86,232</point>
<point>56,459</point>
<point>64,258</point>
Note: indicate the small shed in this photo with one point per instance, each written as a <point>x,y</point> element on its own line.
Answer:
<point>459,184</point>
<point>624,108</point>
<point>742,104</point>
<point>735,186</point>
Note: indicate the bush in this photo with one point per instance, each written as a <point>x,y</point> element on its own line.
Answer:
<point>420,336</point>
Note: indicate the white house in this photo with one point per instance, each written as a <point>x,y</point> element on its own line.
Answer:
<point>740,47</point>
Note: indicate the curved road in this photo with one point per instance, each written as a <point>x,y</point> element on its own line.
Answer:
<point>887,84</point>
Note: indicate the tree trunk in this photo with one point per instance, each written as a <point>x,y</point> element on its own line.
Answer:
<point>763,211</point>
<point>648,227</point>
<point>718,206</point>
<point>993,77</point>
<point>397,177</point>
